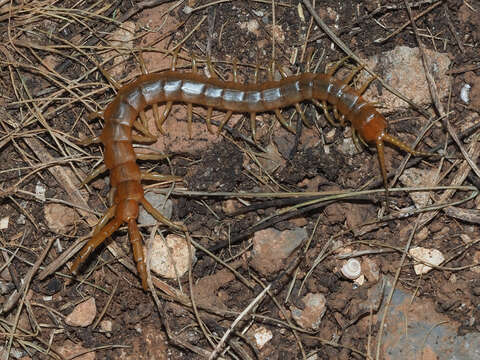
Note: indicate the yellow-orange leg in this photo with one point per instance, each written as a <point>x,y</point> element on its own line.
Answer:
<point>138,255</point>
<point>94,242</point>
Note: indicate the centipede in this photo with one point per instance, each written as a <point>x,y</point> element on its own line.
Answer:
<point>194,88</point>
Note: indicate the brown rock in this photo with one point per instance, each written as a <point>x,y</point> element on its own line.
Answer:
<point>311,316</point>
<point>59,218</point>
<point>83,314</point>
<point>271,247</point>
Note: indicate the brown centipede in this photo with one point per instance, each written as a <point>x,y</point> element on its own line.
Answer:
<point>192,88</point>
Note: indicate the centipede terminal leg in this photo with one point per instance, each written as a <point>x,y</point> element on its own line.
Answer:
<point>137,247</point>
<point>104,220</point>
<point>94,242</point>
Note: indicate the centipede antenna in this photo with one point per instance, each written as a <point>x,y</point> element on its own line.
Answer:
<point>158,215</point>
<point>209,119</point>
<point>234,70</point>
<point>381,160</point>
<point>95,241</point>
<point>137,247</point>
<point>227,117</point>
<point>163,117</point>
<point>253,125</point>
<point>189,119</point>
<point>283,121</point>
<point>401,145</point>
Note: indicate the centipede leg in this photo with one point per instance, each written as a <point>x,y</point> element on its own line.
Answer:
<point>158,215</point>
<point>302,115</point>
<point>163,117</point>
<point>99,170</point>
<point>227,117</point>
<point>209,120</point>
<point>366,85</point>
<point>324,106</point>
<point>283,121</point>
<point>211,70</point>
<point>89,141</point>
<point>253,125</point>
<point>159,177</point>
<point>337,65</point>
<point>142,129</point>
<point>138,254</point>
<point>255,76</point>
<point>189,119</point>
<point>173,65</point>
<point>150,156</point>
<point>94,242</point>
<point>234,70</point>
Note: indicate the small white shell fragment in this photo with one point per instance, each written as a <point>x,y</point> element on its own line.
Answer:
<point>262,336</point>
<point>431,256</point>
<point>360,280</point>
<point>352,269</point>
<point>4,223</point>
<point>465,93</point>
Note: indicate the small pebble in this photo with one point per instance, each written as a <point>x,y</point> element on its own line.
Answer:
<point>83,314</point>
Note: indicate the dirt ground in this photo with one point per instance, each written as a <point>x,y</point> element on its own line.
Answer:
<point>275,254</point>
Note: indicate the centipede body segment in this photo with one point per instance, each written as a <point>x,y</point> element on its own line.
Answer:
<point>192,88</point>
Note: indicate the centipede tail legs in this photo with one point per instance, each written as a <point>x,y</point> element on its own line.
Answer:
<point>94,242</point>
<point>138,255</point>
